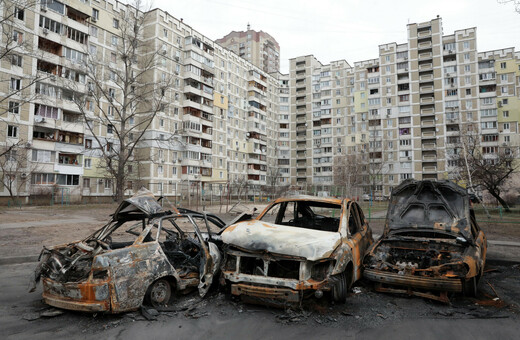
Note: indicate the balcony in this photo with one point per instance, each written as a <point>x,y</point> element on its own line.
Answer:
<point>429,146</point>
<point>428,134</point>
<point>426,77</point>
<point>426,89</point>
<point>426,67</point>
<point>427,100</point>
<point>424,45</point>
<point>428,123</point>
<point>429,169</point>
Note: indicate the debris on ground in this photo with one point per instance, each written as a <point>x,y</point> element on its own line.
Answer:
<point>45,313</point>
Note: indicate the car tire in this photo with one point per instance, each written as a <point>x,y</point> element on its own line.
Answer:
<point>159,293</point>
<point>470,287</point>
<point>341,287</point>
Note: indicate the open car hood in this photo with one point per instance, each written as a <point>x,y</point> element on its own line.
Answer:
<point>142,204</point>
<point>435,205</point>
<point>283,240</point>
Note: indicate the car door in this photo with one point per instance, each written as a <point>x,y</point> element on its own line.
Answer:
<point>359,236</point>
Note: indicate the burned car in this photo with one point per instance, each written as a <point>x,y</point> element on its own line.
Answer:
<point>298,246</point>
<point>431,243</point>
<point>144,254</point>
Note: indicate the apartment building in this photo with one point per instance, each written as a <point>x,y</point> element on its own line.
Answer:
<point>217,113</point>
<point>257,47</point>
<point>402,114</point>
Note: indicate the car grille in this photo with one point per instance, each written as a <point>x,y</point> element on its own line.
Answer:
<point>285,269</point>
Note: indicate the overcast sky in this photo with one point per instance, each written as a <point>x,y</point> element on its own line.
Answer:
<point>346,29</point>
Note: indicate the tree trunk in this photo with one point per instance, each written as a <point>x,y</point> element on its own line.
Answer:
<point>500,200</point>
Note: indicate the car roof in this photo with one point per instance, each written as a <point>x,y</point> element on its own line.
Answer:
<point>311,198</point>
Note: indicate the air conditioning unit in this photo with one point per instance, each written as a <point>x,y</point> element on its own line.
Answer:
<point>93,19</point>
<point>176,73</point>
<point>179,160</point>
<point>45,31</point>
<point>170,182</point>
<point>405,58</point>
<point>409,158</point>
<point>28,144</point>
<point>43,8</point>
<point>163,52</point>
<point>176,58</point>
<point>100,181</point>
<point>450,51</point>
<point>23,175</point>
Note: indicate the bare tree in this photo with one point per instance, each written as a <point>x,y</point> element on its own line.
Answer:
<point>516,3</point>
<point>373,159</point>
<point>125,95</point>
<point>15,170</point>
<point>490,167</point>
<point>273,186</point>
<point>347,170</point>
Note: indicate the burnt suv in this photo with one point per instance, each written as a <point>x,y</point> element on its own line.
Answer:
<point>298,246</point>
<point>431,243</point>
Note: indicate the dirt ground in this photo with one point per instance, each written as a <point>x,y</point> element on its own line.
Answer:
<point>24,231</point>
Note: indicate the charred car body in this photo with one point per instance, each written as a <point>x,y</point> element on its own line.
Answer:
<point>431,242</point>
<point>143,253</point>
<point>296,247</point>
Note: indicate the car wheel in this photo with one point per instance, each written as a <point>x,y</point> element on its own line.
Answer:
<point>470,287</point>
<point>341,288</point>
<point>159,293</point>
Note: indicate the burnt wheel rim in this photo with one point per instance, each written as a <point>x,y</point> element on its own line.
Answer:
<point>160,293</point>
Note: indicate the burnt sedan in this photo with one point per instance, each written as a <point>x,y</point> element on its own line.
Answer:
<point>296,247</point>
<point>431,243</point>
<point>144,254</point>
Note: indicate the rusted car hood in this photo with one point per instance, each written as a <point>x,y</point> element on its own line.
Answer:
<point>142,204</point>
<point>284,240</point>
<point>433,205</point>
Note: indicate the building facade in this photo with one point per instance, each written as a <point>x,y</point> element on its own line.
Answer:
<point>402,115</point>
<point>218,111</point>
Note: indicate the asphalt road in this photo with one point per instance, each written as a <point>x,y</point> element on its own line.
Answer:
<point>366,315</point>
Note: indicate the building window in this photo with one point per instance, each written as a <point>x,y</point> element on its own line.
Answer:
<point>505,114</point>
<point>111,93</point>
<point>17,37</point>
<point>115,23</point>
<point>19,13</point>
<point>14,107</point>
<point>108,184</point>
<point>93,31</point>
<point>468,92</point>
<point>110,129</point>
<point>12,131</point>
<point>114,40</point>
<point>95,14</point>
<point>88,143</point>
<point>16,60</point>
<point>15,84</point>
<point>88,163</point>
<point>503,65</point>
